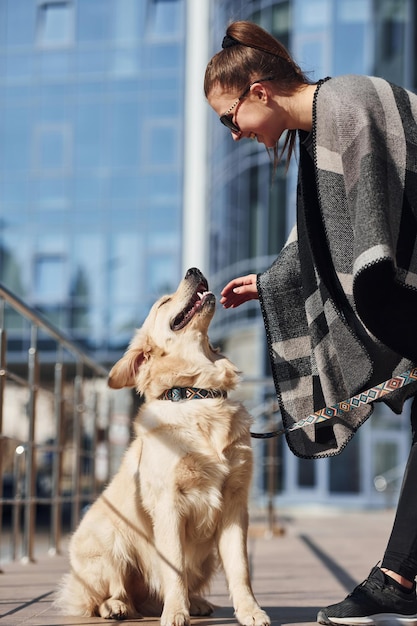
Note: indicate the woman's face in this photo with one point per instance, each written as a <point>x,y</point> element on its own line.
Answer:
<point>256,114</point>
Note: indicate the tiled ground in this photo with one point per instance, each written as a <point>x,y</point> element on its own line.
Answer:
<point>314,563</point>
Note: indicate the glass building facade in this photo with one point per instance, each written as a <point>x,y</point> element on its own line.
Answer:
<point>91,146</point>
<point>251,216</point>
<point>91,185</point>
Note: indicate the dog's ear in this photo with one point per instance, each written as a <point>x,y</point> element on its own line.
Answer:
<point>123,373</point>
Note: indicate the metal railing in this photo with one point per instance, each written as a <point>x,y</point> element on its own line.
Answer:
<point>55,413</point>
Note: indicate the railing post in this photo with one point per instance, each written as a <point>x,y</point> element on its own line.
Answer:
<point>30,477</point>
<point>57,458</point>
<point>2,385</point>
<point>94,442</point>
<point>77,444</point>
<point>2,362</point>
<point>19,457</point>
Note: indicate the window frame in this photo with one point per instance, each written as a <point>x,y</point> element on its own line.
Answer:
<point>41,44</point>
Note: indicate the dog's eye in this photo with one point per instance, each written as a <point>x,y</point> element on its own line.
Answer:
<point>164,302</point>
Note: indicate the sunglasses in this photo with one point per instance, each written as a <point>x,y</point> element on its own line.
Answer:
<point>227,118</point>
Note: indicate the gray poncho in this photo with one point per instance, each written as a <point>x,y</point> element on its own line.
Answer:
<point>340,301</point>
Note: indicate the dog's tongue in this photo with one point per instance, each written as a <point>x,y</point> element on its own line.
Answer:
<point>190,310</point>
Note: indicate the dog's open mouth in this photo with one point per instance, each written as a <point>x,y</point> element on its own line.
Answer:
<point>200,296</point>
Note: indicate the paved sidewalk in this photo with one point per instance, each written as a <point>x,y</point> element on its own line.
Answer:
<point>315,562</point>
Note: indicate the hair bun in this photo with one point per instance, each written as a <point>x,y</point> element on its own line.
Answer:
<point>229,41</point>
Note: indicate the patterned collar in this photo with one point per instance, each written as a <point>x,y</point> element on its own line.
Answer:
<point>175,394</point>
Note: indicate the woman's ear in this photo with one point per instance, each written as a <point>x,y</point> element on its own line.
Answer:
<point>260,91</point>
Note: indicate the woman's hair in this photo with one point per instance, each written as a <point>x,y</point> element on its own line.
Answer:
<point>250,52</point>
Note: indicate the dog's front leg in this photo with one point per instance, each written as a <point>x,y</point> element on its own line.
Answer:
<point>169,535</point>
<point>234,556</point>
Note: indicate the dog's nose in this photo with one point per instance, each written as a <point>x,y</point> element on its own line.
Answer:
<point>193,271</point>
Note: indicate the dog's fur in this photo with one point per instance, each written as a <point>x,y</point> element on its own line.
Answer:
<point>178,504</point>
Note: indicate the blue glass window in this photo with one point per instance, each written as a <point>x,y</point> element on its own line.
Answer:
<point>124,265</point>
<point>94,20</point>
<point>88,146</point>
<point>312,14</point>
<point>56,65</point>
<point>165,18</point>
<point>14,194</point>
<point>351,55</point>
<point>161,143</point>
<point>55,23</point>
<point>390,19</point>
<point>125,188</point>
<point>125,64</point>
<point>121,322</point>
<point>15,256</point>
<point>49,280</point>
<point>162,190</point>
<point>162,274</point>
<point>16,133</point>
<point>52,193</point>
<point>88,190</point>
<point>52,148</point>
<point>90,261</point>
<point>92,61</point>
<point>126,21</point>
<point>124,134</point>
<point>17,19</point>
<point>164,57</point>
<point>18,65</point>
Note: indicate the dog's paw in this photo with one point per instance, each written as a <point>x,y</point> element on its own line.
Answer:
<point>175,618</point>
<point>113,609</point>
<point>256,617</point>
<point>200,606</point>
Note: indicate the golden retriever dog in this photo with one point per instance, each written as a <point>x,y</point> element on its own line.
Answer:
<point>178,506</point>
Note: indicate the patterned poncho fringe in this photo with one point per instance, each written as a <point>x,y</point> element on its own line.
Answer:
<point>340,301</point>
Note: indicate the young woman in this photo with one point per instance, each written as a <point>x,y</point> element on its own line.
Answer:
<point>340,301</point>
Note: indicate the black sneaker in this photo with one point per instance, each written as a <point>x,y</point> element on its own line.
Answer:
<point>373,602</point>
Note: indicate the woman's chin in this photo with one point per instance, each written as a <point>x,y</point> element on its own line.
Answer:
<point>268,142</point>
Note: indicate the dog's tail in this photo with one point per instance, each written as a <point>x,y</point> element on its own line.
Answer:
<point>72,598</point>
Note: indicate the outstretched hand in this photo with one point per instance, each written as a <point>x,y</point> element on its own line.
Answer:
<point>238,291</point>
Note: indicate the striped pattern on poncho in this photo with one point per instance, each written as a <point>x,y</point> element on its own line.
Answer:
<point>340,301</point>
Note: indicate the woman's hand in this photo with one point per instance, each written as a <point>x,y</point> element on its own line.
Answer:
<point>238,291</point>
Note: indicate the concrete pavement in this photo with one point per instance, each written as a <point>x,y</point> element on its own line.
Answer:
<point>318,559</point>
